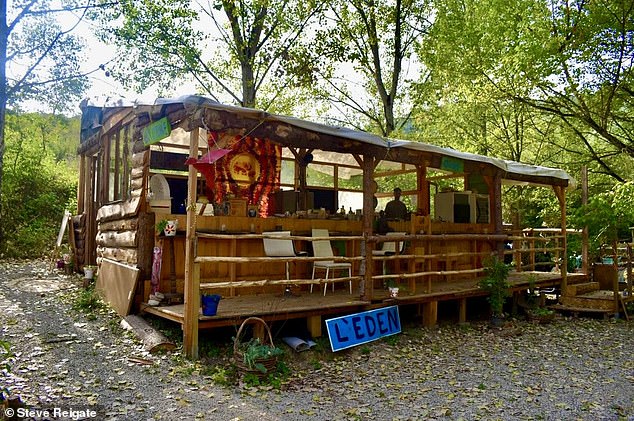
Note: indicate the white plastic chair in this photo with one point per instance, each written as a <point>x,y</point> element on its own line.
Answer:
<point>282,247</point>
<point>323,248</point>
<point>389,248</point>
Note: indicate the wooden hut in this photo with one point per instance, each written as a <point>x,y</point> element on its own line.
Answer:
<point>256,172</point>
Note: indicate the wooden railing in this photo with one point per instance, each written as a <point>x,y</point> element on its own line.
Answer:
<point>528,243</point>
<point>246,260</point>
<point>428,258</point>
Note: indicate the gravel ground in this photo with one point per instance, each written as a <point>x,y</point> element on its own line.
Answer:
<point>573,369</point>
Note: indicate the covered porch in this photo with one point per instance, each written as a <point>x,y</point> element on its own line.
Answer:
<point>236,160</point>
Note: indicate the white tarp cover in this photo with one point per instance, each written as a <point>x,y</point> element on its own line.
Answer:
<point>191,102</point>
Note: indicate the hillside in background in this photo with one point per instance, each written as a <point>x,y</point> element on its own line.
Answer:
<point>40,181</point>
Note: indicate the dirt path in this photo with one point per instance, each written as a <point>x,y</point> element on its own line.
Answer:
<point>573,369</point>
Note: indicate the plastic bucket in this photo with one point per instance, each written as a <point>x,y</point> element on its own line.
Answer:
<point>210,304</point>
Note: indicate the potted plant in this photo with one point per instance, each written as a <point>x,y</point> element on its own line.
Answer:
<point>89,271</point>
<point>254,356</point>
<point>533,304</point>
<point>541,315</point>
<point>392,288</point>
<point>496,285</point>
<point>259,356</point>
<point>166,227</point>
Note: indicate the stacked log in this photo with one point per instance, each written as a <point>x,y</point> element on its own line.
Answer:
<point>79,235</point>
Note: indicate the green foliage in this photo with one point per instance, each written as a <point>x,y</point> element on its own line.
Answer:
<point>608,215</point>
<point>541,311</point>
<point>248,45</point>
<point>5,355</point>
<point>496,284</point>
<point>38,181</point>
<point>43,57</point>
<point>160,225</point>
<point>88,301</point>
<point>389,32</point>
<point>532,81</point>
<point>221,376</point>
<point>251,380</point>
<point>254,351</point>
<point>391,340</point>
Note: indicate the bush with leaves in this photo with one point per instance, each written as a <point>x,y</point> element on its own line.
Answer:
<point>496,284</point>
<point>39,183</point>
<point>608,216</point>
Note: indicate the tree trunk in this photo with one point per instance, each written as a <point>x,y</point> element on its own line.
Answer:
<point>248,86</point>
<point>4,35</point>
<point>153,340</point>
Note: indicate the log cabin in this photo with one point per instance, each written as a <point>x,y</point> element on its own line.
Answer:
<point>233,178</point>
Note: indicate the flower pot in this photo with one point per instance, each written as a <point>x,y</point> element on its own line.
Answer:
<point>393,292</point>
<point>496,321</point>
<point>170,228</point>
<point>210,304</point>
<point>89,273</point>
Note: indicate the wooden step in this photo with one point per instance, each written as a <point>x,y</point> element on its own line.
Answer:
<point>561,307</point>
<point>582,288</point>
<point>578,278</point>
<point>600,300</point>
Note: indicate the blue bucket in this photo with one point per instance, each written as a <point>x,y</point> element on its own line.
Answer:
<point>210,304</point>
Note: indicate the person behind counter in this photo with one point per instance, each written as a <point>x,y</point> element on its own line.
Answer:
<point>395,209</point>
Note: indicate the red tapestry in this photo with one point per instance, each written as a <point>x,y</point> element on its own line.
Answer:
<point>250,170</point>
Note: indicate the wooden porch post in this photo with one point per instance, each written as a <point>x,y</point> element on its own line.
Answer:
<point>561,196</point>
<point>422,187</point>
<point>497,211</point>
<point>369,187</point>
<point>585,267</point>
<point>192,283</point>
<point>81,189</point>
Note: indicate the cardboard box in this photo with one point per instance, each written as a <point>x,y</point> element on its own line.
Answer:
<point>238,207</point>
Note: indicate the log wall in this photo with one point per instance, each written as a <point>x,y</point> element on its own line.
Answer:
<point>122,225</point>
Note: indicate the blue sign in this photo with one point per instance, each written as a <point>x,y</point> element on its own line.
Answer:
<point>356,329</point>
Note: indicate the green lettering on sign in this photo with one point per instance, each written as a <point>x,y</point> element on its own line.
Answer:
<point>156,131</point>
<point>451,164</point>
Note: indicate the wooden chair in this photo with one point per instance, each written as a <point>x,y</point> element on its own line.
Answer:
<point>323,248</point>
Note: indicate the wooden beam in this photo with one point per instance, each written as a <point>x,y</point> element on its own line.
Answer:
<point>561,196</point>
<point>584,236</point>
<point>495,197</point>
<point>366,286</point>
<point>430,314</point>
<point>462,310</point>
<point>313,324</point>
<point>192,271</point>
<point>81,193</point>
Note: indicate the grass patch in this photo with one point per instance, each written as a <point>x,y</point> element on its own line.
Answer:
<point>88,301</point>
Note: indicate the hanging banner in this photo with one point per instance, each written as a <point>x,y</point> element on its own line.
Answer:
<point>451,164</point>
<point>156,131</point>
<point>359,328</point>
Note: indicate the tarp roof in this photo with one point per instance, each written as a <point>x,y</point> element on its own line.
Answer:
<point>511,168</point>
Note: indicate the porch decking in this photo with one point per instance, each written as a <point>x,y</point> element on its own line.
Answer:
<point>271,307</point>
